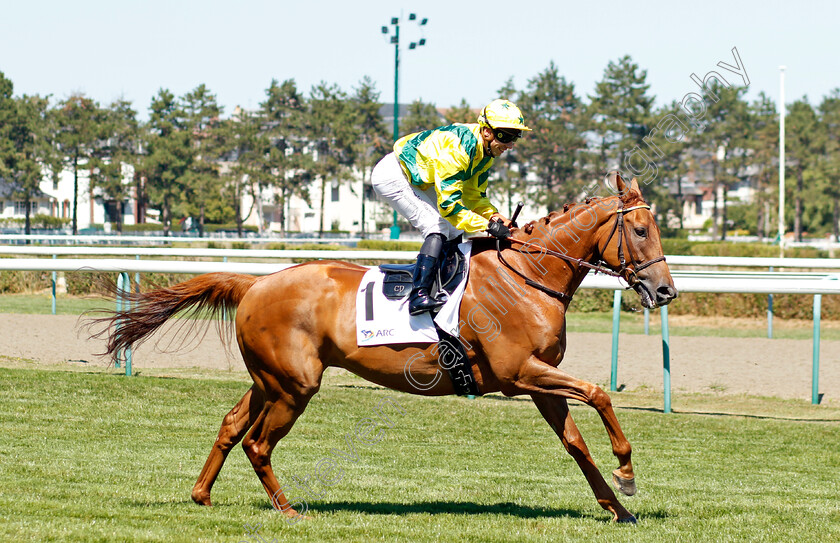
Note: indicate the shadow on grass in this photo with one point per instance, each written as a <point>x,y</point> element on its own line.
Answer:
<point>439,507</point>
<point>431,508</point>
<point>462,508</point>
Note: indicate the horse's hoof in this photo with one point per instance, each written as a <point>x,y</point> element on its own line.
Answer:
<point>627,520</point>
<point>201,498</point>
<point>293,517</point>
<point>624,485</point>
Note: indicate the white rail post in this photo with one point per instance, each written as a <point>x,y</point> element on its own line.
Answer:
<point>54,279</point>
<point>615,325</point>
<point>815,369</point>
<point>666,360</point>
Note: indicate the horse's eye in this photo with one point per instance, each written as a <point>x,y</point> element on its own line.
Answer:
<point>641,231</point>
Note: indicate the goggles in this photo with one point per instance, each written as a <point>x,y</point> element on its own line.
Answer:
<point>506,136</point>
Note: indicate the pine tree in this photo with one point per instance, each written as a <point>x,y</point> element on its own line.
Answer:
<point>200,117</point>
<point>372,141</point>
<point>76,138</point>
<point>801,144</point>
<point>7,114</point>
<point>420,116</point>
<point>247,171</point>
<point>332,134</point>
<point>553,151</point>
<point>119,132</point>
<point>283,111</point>
<point>462,113</point>
<point>29,150</point>
<point>620,111</point>
<point>764,147</point>
<point>718,142</point>
<point>830,160</point>
<point>669,150</point>
<point>169,156</point>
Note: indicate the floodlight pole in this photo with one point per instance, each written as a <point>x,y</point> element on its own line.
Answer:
<point>396,82</point>
<point>395,39</point>
<point>395,228</point>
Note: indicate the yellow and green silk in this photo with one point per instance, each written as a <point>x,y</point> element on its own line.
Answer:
<point>451,158</point>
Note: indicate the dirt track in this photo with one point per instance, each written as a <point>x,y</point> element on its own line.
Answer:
<point>778,367</point>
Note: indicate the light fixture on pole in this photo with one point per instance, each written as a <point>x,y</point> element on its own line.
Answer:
<point>781,161</point>
<point>395,39</point>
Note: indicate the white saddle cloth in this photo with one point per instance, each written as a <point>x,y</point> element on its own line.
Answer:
<point>390,322</point>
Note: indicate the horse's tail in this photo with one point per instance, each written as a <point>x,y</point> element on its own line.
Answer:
<point>210,295</point>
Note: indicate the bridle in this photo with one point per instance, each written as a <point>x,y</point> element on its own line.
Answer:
<point>625,271</point>
<point>629,273</point>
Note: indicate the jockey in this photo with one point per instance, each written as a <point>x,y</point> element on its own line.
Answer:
<point>437,179</point>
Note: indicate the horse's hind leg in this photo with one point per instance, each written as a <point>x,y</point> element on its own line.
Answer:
<point>556,412</point>
<point>234,427</point>
<point>273,423</point>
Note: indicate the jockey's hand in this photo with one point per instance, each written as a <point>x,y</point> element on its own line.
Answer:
<point>501,218</point>
<point>498,229</point>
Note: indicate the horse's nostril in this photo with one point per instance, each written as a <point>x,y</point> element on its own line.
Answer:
<point>666,292</point>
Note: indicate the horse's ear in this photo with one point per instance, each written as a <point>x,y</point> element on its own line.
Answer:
<point>619,186</point>
<point>620,183</point>
<point>626,189</point>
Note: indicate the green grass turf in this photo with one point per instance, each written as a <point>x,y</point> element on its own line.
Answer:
<point>90,455</point>
<point>41,304</point>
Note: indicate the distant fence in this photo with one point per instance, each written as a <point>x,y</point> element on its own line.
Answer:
<point>117,239</point>
<point>673,260</point>
<point>755,282</point>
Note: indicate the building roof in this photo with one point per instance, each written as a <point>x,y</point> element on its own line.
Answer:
<point>688,188</point>
<point>8,190</point>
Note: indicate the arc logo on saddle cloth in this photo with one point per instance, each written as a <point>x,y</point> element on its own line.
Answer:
<point>384,321</point>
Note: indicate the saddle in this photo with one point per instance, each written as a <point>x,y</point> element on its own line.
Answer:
<point>398,277</point>
<point>451,272</point>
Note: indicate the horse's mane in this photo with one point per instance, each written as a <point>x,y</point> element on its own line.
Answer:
<point>528,228</point>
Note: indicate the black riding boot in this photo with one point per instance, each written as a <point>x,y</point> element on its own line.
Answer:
<point>420,300</point>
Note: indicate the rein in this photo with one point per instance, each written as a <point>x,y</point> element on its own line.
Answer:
<point>618,226</point>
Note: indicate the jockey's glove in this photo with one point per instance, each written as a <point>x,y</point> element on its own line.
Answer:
<point>497,229</point>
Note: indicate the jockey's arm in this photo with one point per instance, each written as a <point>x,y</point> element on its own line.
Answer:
<point>463,205</point>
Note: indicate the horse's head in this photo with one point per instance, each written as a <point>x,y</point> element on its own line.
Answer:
<point>634,249</point>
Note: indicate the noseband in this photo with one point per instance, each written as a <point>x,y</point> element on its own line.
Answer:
<point>624,272</point>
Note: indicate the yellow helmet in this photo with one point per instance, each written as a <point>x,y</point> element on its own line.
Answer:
<point>502,114</point>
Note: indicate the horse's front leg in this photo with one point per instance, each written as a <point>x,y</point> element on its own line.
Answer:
<point>537,377</point>
<point>556,412</point>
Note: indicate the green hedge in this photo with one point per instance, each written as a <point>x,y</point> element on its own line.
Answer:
<point>389,245</point>
<point>226,228</point>
<point>14,282</point>
<point>722,248</point>
<point>306,247</point>
<point>39,221</point>
<point>144,227</point>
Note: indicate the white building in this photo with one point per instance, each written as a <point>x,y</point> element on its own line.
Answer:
<point>342,209</point>
<point>55,199</point>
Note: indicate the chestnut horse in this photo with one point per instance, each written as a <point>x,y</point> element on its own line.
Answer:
<point>292,325</point>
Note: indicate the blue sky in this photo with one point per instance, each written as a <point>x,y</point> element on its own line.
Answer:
<point>130,48</point>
